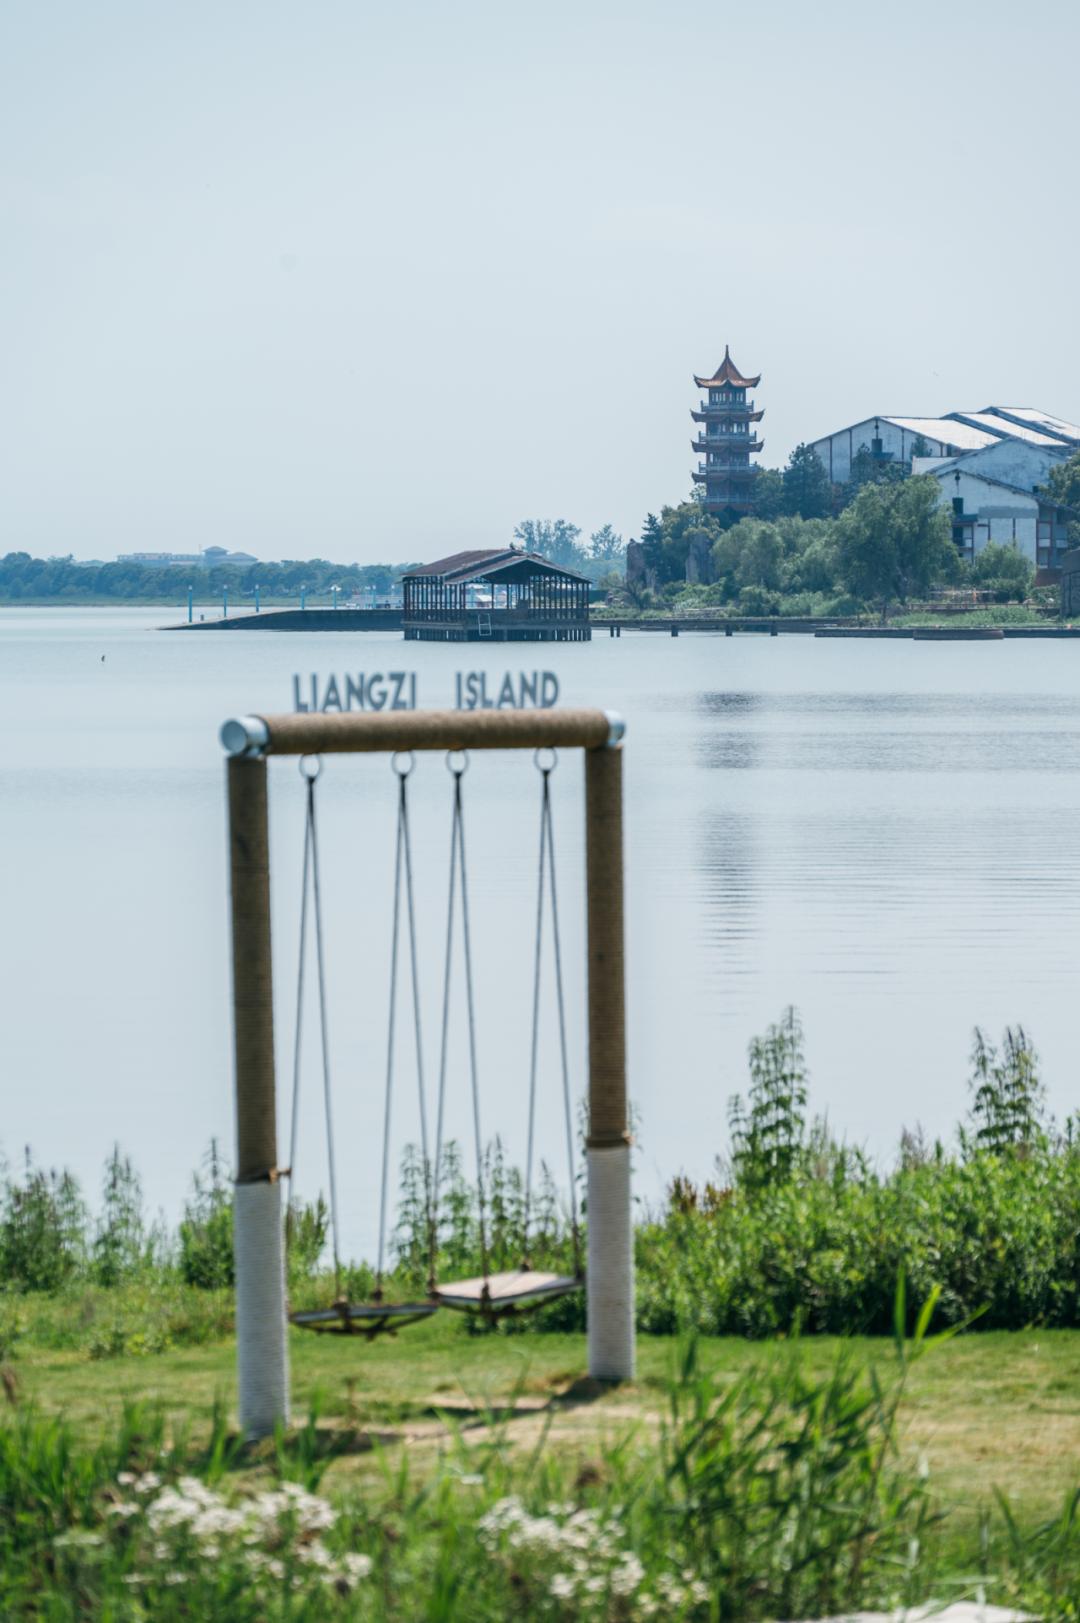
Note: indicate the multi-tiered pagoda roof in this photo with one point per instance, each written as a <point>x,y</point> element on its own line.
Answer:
<point>726,441</point>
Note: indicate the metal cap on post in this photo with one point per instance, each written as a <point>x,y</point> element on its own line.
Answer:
<point>262,1347</point>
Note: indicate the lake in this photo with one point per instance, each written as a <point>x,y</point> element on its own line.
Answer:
<point>877,832</point>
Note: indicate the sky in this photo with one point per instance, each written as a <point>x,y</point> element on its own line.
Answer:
<point>374,282</point>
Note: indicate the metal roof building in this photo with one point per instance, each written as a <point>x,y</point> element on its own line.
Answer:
<point>891,438</point>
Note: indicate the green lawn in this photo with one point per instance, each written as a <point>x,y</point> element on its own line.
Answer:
<point>996,1409</point>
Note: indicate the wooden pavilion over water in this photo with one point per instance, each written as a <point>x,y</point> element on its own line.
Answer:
<point>503,594</point>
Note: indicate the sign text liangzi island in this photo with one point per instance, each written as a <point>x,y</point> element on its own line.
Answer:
<point>396,690</point>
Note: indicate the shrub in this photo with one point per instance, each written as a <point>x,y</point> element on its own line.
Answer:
<point>1007,1103</point>
<point>42,1229</point>
<point>120,1246</point>
<point>206,1243</point>
<point>767,1133</point>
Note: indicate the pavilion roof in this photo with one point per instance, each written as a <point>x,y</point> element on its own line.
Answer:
<point>462,567</point>
<point>727,372</point>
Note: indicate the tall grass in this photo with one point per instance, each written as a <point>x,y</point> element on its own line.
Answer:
<point>784,1494</point>
<point>793,1228</point>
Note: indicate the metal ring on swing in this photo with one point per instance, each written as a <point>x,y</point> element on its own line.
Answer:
<point>305,765</point>
<point>546,759</point>
<point>457,762</point>
<point>402,755</point>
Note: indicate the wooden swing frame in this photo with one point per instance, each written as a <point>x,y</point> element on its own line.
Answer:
<point>249,741</point>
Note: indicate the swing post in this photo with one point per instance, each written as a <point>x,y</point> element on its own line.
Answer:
<point>262,1348</point>
<point>610,1272</point>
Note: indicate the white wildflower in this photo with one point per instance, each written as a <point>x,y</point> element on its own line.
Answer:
<point>125,1478</point>
<point>315,1514</point>
<point>355,1567</point>
<point>125,1509</point>
<point>314,1554</point>
<point>627,1576</point>
<point>78,1538</point>
<point>563,1586</point>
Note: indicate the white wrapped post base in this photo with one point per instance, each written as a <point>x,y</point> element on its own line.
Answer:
<point>262,1348</point>
<point>610,1272</point>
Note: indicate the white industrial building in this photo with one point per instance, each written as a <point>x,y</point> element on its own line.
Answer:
<point>990,464</point>
<point>993,496</point>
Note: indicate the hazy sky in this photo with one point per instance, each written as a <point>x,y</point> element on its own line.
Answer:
<point>374,281</point>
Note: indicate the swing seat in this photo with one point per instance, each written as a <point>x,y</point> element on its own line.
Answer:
<point>368,1319</point>
<point>512,1292</point>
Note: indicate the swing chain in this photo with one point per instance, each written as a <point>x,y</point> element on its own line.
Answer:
<point>546,760</point>
<point>457,763</point>
<point>310,768</point>
<point>402,763</point>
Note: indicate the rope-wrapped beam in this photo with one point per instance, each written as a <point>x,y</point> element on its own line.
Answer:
<point>345,732</point>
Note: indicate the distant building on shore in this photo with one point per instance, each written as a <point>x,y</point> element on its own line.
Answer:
<point>994,496</point>
<point>898,439</point>
<point>991,465</point>
<point>726,441</point>
<point>209,558</point>
<point>501,594</point>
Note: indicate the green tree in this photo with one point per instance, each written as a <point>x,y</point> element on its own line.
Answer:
<point>652,543</point>
<point>554,539</point>
<point>606,544</point>
<point>811,561</point>
<point>120,1243</point>
<point>767,493</point>
<point>42,1230</point>
<point>1007,1111</point>
<point>1063,489</point>
<point>666,540</point>
<point>807,487</point>
<point>751,553</point>
<point>1003,570</point>
<point>895,542</point>
<point>768,1131</point>
<point>867,469</point>
<point>206,1228</point>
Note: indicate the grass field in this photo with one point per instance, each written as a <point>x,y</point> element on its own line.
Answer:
<point>985,1410</point>
<point>732,1481</point>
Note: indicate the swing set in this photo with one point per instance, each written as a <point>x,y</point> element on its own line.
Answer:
<point>258,1228</point>
<point>491,1295</point>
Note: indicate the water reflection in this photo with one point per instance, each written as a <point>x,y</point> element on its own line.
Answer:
<point>879,833</point>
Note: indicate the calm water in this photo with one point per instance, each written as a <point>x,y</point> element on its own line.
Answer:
<point>881,833</point>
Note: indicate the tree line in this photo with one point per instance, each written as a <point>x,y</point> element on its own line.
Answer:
<point>890,545</point>
<point>812,547</point>
<point>24,578</point>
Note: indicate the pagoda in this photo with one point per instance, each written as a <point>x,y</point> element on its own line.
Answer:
<point>726,441</point>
